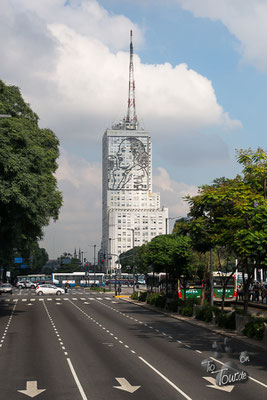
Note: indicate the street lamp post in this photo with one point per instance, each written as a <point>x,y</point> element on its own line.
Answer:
<point>94,246</point>
<point>110,256</point>
<point>94,262</point>
<point>211,278</point>
<point>133,261</point>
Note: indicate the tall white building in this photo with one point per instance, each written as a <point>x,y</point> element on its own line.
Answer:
<point>131,212</point>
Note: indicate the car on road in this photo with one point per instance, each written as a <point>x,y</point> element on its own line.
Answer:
<point>49,289</point>
<point>5,288</point>
<point>25,284</point>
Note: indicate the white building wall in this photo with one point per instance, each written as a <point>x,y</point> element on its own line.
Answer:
<point>127,200</point>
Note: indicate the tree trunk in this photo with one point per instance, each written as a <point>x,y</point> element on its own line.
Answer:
<point>184,286</point>
<point>167,284</point>
<point>223,297</point>
<point>246,284</point>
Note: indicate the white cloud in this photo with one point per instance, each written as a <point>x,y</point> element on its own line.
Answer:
<point>245,19</point>
<point>70,55</point>
<point>172,193</point>
<point>71,63</point>
<point>79,222</point>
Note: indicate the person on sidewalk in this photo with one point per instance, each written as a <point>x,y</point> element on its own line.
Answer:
<point>240,292</point>
<point>256,291</point>
<point>263,294</point>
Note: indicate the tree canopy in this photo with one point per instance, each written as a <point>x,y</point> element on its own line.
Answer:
<point>232,214</point>
<point>29,196</point>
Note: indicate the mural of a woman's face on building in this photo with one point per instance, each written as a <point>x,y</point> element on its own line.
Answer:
<point>130,162</point>
<point>125,158</point>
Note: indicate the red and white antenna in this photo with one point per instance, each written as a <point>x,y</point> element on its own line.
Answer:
<point>131,117</point>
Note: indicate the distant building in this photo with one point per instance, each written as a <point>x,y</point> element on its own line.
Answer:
<point>131,212</point>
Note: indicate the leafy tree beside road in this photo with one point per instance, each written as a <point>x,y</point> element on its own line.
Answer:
<point>232,214</point>
<point>29,196</point>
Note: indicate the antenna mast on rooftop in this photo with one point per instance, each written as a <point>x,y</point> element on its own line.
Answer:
<point>131,117</point>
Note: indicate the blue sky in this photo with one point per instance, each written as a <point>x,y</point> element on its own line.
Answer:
<point>175,35</point>
<point>200,71</point>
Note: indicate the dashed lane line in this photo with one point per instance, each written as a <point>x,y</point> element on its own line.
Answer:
<point>145,324</point>
<point>166,379</point>
<point>133,352</point>
<point>7,325</point>
<point>80,388</point>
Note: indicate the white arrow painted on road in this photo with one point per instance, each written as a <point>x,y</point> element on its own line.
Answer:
<point>125,385</point>
<point>215,386</point>
<point>31,389</point>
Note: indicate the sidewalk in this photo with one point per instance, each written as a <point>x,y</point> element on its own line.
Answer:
<point>206,325</point>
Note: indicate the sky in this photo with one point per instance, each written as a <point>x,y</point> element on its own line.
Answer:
<point>200,73</point>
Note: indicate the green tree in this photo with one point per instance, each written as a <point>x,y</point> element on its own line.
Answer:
<point>171,254</point>
<point>133,258</point>
<point>29,196</point>
<point>232,213</point>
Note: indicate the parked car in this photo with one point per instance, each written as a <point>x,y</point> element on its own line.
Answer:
<point>26,284</point>
<point>49,289</point>
<point>5,288</point>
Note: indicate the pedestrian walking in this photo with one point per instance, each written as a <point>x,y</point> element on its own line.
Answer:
<point>256,291</point>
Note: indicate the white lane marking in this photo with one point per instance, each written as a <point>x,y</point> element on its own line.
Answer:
<point>32,299</point>
<point>90,298</point>
<point>99,298</point>
<point>253,379</point>
<point>107,298</point>
<point>166,379</point>
<point>74,298</point>
<point>86,302</point>
<point>49,299</point>
<point>8,323</point>
<point>76,380</point>
<point>24,299</point>
<point>198,351</point>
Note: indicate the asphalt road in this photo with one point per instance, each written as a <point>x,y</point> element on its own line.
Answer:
<point>85,345</point>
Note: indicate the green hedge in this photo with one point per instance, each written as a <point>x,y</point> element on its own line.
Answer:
<point>255,328</point>
<point>226,320</point>
<point>134,296</point>
<point>142,296</point>
<point>172,304</point>
<point>187,310</point>
<point>204,313</point>
<point>156,299</point>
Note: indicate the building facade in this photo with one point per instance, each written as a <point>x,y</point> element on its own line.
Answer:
<point>131,212</point>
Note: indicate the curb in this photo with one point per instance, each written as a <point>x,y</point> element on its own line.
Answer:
<point>208,326</point>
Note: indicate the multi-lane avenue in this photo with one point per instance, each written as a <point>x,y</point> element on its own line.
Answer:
<point>86,345</point>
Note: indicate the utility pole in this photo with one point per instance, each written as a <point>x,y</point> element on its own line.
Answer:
<point>94,262</point>
<point>133,263</point>
<point>211,278</point>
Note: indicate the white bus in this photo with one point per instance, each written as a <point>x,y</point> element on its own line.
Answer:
<point>78,278</point>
